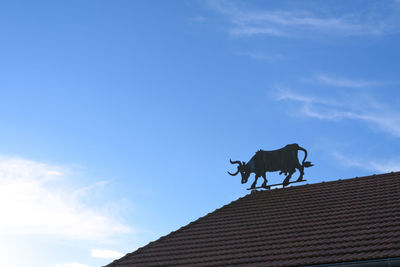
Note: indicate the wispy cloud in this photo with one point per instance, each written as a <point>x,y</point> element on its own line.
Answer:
<point>71,264</point>
<point>343,82</point>
<point>198,19</point>
<point>260,56</point>
<point>87,189</point>
<point>247,21</point>
<point>106,254</point>
<point>33,201</point>
<point>382,166</point>
<point>354,106</point>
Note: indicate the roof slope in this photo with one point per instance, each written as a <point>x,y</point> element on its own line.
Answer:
<point>345,220</point>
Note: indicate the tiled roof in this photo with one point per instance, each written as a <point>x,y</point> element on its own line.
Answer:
<point>340,221</point>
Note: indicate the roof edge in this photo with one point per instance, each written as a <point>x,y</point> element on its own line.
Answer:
<point>198,220</point>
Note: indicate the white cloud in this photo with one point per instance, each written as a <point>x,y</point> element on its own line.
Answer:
<point>389,166</point>
<point>198,19</point>
<point>382,166</point>
<point>285,94</point>
<point>34,201</point>
<point>71,264</point>
<point>87,189</point>
<point>354,106</point>
<point>335,81</point>
<point>247,21</point>
<point>262,56</point>
<point>342,82</point>
<point>106,254</point>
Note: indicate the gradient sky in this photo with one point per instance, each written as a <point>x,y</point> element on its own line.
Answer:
<point>118,118</point>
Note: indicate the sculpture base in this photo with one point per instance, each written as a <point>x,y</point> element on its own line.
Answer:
<point>268,187</point>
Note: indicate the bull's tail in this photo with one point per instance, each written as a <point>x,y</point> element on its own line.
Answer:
<point>305,163</point>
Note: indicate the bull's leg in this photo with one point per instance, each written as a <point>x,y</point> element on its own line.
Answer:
<point>265,182</point>
<point>287,179</point>
<point>301,170</point>
<point>253,185</point>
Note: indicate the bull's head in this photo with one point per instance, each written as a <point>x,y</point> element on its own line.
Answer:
<point>242,168</point>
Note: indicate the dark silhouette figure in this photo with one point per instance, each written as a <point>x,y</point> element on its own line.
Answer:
<point>284,160</point>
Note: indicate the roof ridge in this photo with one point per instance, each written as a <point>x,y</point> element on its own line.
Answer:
<point>324,182</point>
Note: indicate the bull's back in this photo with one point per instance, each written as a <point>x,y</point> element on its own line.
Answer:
<point>274,160</point>
<point>281,159</point>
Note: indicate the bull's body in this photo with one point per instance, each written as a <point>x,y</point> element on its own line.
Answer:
<point>284,160</point>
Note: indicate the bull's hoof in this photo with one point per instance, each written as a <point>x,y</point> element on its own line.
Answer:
<point>300,179</point>
<point>266,186</point>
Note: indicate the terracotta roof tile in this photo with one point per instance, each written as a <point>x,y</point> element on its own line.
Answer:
<point>345,220</point>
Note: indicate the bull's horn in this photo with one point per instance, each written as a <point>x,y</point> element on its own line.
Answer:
<point>235,162</point>
<point>233,174</point>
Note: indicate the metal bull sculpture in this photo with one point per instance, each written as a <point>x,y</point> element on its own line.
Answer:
<point>284,160</point>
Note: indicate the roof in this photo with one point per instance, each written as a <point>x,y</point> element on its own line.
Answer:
<point>340,221</point>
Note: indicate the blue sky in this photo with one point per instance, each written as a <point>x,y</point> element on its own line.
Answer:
<point>118,118</point>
